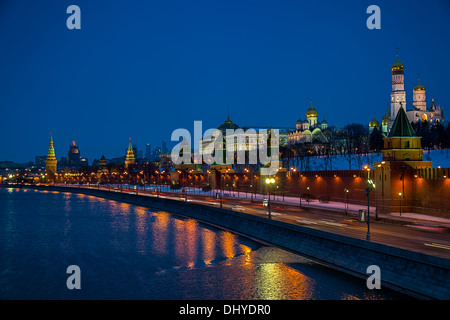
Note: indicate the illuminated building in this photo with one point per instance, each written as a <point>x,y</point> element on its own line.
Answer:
<point>73,156</point>
<point>373,124</point>
<point>309,130</point>
<point>129,159</point>
<point>51,162</point>
<point>402,154</point>
<point>398,93</point>
<point>420,111</point>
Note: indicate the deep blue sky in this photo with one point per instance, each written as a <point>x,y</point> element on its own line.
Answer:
<point>141,69</point>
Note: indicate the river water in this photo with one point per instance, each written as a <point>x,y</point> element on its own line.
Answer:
<point>130,252</point>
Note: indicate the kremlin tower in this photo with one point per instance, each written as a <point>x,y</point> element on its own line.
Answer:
<point>130,156</point>
<point>51,162</point>
<point>394,175</point>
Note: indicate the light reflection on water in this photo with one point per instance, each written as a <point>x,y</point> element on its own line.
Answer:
<point>130,252</point>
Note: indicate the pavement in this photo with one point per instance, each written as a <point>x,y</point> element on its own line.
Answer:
<point>353,210</point>
<point>406,218</point>
<point>411,231</point>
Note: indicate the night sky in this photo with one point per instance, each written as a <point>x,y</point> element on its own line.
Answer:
<point>141,69</point>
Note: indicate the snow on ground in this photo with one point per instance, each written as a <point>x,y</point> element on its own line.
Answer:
<point>439,157</point>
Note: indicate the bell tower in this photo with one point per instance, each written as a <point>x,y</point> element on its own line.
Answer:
<point>419,97</point>
<point>398,94</point>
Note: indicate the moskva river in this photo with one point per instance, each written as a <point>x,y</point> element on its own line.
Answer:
<point>130,252</point>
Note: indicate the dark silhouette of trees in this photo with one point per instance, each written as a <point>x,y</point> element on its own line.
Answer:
<point>376,140</point>
<point>434,136</point>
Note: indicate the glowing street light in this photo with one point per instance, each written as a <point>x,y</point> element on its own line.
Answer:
<point>370,187</point>
<point>269,182</point>
<point>346,202</point>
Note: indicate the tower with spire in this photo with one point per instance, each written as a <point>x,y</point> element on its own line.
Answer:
<point>402,154</point>
<point>420,111</point>
<point>51,162</point>
<point>419,97</point>
<point>398,94</point>
<point>129,159</point>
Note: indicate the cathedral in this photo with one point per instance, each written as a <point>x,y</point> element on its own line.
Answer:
<point>419,112</point>
<point>384,124</point>
<point>309,130</point>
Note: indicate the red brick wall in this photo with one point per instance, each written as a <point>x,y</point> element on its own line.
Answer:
<point>432,196</point>
<point>427,192</point>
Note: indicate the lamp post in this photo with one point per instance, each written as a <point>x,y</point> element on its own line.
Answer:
<point>307,194</point>
<point>269,182</point>
<point>157,181</point>
<point>370,187</point>
<point>400,196</point>
<point>300,187</point>
<point>220,175</point>
<point>346,200</point>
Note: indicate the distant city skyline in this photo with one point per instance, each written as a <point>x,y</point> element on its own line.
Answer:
<point>142,70</point>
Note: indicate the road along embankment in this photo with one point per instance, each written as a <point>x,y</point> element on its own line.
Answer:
<point>414,273</point>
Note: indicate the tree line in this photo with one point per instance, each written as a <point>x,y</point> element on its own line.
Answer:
<point>357,145</point>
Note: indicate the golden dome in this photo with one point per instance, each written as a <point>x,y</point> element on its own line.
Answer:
<point>374,123</point>
<point>397,67</point>
<point>311,112</point>
<point>386,118</point>
<point>419,86</point>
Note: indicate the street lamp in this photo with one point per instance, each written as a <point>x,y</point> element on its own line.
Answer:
<point>346,199</point>
<point>221,189</point>
<point>269,182</point>
<point>400,196</point>
<point>300,187</point>
<point>370,187</point>
<point>158,183</point>
<point>307,195</point>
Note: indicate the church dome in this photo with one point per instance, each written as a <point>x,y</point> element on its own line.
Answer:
<point>374,123</point>
<point>419,87</point>
<point>397,67</point>
<point>386,118</point>
<point>228,124</point>
<point>397,64</point>
<point>311,112</point>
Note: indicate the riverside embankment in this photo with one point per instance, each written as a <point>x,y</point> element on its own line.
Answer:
<point>414,273</point>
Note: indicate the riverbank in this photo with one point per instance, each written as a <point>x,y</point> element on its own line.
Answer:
<point>402,270</point>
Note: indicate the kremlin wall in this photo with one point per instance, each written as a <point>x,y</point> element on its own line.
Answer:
<point>401,182</point>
